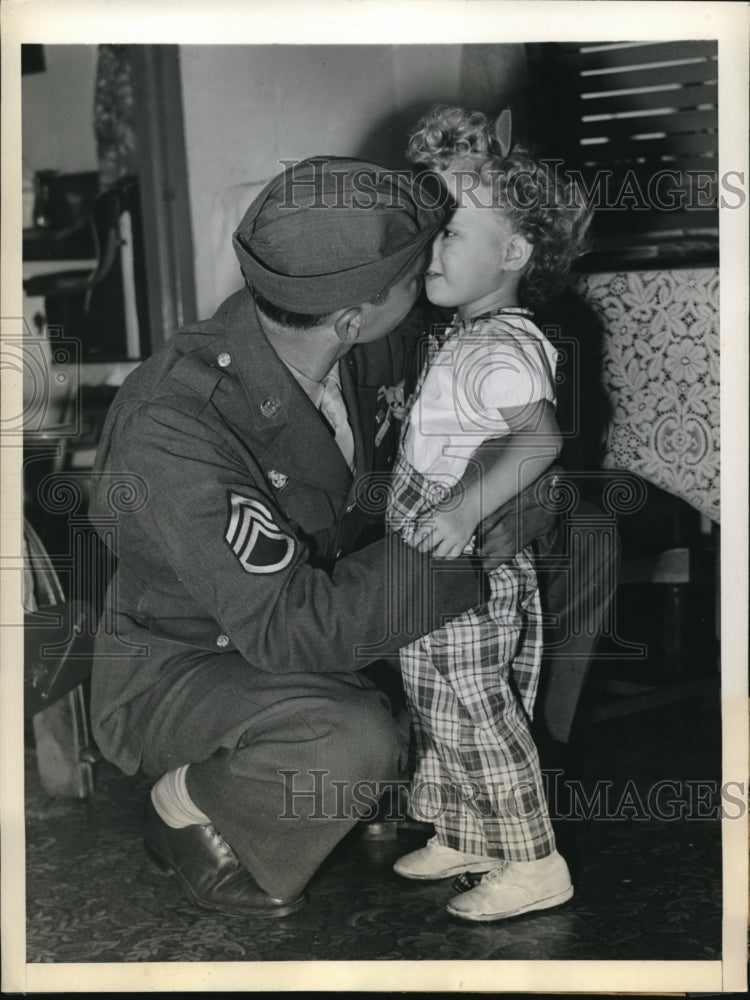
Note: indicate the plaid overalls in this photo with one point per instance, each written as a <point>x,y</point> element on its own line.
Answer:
<point>470,687</point>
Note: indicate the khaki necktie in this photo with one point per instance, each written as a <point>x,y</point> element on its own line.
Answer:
<point>333,408</point>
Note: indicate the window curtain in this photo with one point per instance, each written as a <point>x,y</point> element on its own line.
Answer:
<point>114,126</point>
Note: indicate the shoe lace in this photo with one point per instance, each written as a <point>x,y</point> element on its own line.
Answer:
<point>498,871</point>
<point>217,838</point>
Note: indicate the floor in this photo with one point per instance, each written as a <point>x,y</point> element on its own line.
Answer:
<point>647,886</point>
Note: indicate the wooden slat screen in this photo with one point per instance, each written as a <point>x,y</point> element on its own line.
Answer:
<point>629,112</point>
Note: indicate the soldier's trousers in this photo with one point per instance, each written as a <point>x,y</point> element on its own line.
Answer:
<point>283,764</point>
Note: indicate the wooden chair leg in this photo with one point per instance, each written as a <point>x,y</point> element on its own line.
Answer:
<point>64,756</point>
<point>578,593</point>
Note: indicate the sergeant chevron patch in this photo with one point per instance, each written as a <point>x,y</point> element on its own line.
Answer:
<point>252,534</point>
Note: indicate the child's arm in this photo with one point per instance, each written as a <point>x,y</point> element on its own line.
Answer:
<point>498,470</point>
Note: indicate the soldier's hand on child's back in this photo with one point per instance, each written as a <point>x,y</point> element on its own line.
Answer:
<point>526,517</point>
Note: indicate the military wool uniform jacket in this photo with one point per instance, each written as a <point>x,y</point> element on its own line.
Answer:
<point>244,529</point>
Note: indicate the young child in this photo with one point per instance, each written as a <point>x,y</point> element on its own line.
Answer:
<point>479,429</point>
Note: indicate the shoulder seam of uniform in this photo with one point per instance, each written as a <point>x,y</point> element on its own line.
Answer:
<point>200,378</point>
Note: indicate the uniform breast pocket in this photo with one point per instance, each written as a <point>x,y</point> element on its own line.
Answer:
<point>309,509</point>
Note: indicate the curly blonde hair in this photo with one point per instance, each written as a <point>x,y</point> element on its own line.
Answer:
<point>548,210</point>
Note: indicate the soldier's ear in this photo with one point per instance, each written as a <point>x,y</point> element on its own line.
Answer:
<point>348,325</point>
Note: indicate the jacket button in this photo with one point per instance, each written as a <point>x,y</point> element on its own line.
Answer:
<point>222,640</point>
<point>224,360</point>
<point>340,553</point>
<point>350,507</point>
<point>270,406</point>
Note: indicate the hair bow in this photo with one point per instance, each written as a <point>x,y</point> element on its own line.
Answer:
<point>500,132</point>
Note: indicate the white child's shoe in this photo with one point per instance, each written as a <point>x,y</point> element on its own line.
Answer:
<point>515,887</point>
<point>434,861</point>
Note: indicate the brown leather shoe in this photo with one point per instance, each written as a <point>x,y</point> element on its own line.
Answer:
<point>211,874</point>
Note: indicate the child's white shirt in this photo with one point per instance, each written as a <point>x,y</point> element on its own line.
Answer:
<point>488,364</point>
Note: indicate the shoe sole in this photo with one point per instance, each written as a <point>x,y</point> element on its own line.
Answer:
<point>476,866</point>
<point>545,904</point>
<point>162,866</point>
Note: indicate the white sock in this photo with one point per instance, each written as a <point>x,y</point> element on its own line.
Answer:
<point>172,802</point>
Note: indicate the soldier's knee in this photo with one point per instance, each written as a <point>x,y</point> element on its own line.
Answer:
<point>366,740</point>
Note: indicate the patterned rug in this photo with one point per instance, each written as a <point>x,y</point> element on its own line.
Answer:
<point>646,887</point>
